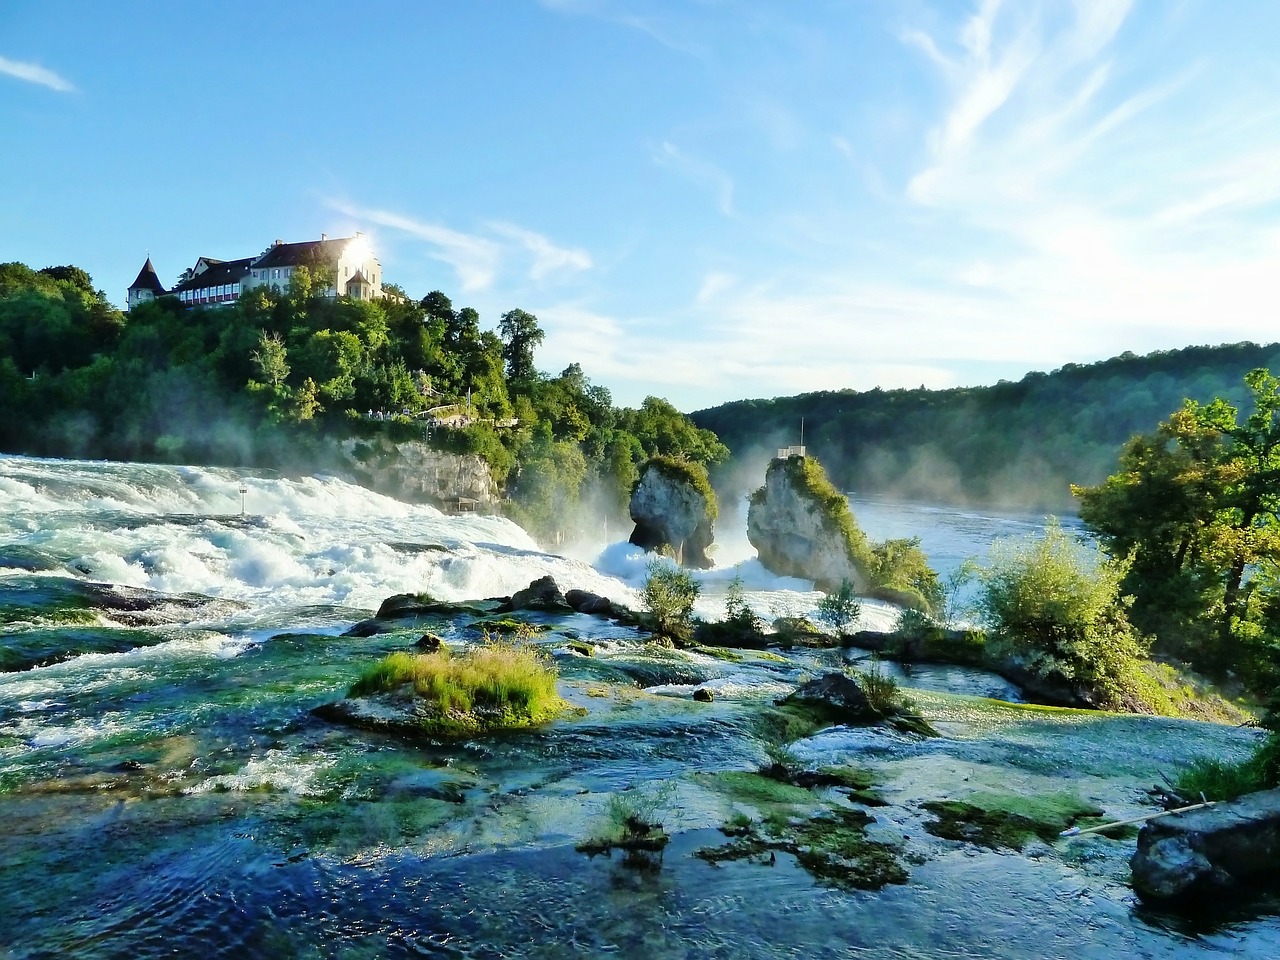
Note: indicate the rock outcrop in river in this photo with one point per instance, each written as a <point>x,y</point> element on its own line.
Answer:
<point>674,508</point>
<point>414,471</point>
<point>1215,851</point>
<point>801,526</point>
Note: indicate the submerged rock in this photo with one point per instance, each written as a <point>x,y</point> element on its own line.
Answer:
<point>1225,849</point>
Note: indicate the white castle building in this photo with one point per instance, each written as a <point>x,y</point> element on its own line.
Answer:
<point>356,273</point>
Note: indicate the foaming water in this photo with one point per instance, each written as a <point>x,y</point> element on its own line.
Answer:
<point>179,797</point>
<point>314,541</point>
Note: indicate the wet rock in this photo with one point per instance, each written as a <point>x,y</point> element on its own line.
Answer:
<point>1227,849</point>
<point>837,693</point>
<point>429,643</point>
<point>400,611</point>
<point>703,695</point>
<point>584,601</point>
<point>542,594</point>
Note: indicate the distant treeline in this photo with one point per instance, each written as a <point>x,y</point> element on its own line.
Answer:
<point>1013,444</point>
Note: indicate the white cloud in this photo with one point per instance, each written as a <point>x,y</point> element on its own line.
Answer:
<point>713,285</point>
<point>479,260</point>
<point>34,73</point>
<point>547,257</point>
<point>706,174</point>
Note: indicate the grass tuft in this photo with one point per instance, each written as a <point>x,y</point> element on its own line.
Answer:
<point>504,682</point>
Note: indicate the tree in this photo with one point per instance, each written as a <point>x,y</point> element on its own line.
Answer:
<point>271,359</point>
<point>669,594</point>
<point>1195,505</point>
<point>840,609</point>
<point>1054,604</point>
<point>520,335</point>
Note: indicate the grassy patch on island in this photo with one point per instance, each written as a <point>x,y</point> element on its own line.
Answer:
<point>502,683</point>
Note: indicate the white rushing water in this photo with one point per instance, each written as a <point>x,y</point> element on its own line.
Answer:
<point>315,542</point>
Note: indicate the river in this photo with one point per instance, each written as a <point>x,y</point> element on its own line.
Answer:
<point>166,791</point>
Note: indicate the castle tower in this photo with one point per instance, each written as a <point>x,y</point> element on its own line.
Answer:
<point>147,287</point>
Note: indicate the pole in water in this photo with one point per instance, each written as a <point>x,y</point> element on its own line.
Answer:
<point>243,491</point>
<point>1099,828</point>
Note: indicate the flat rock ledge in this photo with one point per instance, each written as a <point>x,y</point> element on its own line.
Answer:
<point>1224,850</point>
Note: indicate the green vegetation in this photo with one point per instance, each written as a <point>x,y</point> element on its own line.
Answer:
<point>1006,820</point>
<point>500,684</point>
<point>1216,780</point>
<point>737,613</point>
<point>669,595</point>
<point>632,824</point>
<point>1054,605</point>
<point>1013,444</point>
<point>1196,504</point>
<point>277,377</point>
<point>841,609</point>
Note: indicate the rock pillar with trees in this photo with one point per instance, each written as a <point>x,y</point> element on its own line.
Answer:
<point>674,510</point>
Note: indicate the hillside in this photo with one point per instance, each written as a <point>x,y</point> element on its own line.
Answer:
<point>1010,445</point>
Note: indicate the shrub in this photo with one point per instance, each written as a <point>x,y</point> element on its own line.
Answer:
<point>913,623</point>
<point>669,595</point>
<point>503,682</point>
<point>1054,604</point>
<point>736,611</point>
<point>840,609</point>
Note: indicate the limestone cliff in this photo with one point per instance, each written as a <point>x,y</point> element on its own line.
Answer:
<point>801,526</point>
<point>674,507</point>
<point>413,471</point>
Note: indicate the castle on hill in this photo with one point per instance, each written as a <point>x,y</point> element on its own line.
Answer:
<point>355,272</point>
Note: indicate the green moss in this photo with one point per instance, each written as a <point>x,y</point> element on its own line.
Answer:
<point>756,789</point>
<point>787,723</point>
<point>832,847</point>
<point>1007,820</point>
<point>509,625</point>
<point>580,647</point>
<point>719,653</point>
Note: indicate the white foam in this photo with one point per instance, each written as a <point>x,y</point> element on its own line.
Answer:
<point>275,770</point>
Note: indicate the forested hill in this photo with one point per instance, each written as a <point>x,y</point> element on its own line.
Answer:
<point>1012,444</point>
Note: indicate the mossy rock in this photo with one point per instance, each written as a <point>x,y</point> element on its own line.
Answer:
<point>1006,820</point>
<point>832,847</point>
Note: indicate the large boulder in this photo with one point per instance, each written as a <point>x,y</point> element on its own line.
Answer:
<point>674,509</point>
<point>1220,850</point>
<point>801,526</point>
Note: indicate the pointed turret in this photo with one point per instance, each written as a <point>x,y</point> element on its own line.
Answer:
<point>146,287</point>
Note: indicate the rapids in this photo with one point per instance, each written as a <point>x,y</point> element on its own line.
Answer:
<point>166,790</point>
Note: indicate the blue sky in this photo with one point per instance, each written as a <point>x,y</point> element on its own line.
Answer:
<point>703,200</point>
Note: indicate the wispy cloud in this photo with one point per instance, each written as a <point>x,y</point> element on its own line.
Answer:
<point>547,257</point>
<point>702,172</point>
<point>34,73</point>
<point>478,260</point>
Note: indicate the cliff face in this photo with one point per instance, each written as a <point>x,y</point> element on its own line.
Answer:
<point>413,471</point>
<point>671,510</point>
<point>801,527</point>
